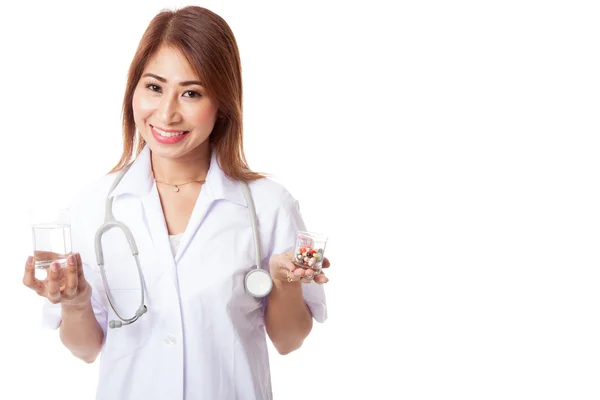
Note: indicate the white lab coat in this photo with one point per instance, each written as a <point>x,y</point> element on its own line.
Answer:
<point>203,336</point>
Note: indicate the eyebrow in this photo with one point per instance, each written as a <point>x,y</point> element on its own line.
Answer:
<point>163,80</point>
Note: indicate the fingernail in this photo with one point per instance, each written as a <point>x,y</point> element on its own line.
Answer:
<point>54,266</point>
<point>29,260</point>
<point>71,260</point>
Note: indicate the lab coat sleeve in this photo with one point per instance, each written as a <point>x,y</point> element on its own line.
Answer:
<point>51,313</point>
<point>288,222</point>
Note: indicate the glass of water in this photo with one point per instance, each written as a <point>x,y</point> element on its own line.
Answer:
<point>51,233</point>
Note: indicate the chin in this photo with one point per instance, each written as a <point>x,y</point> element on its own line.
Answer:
<point>166,151</point>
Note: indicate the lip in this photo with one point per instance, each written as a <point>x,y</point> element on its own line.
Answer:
<point>168,130</point>
<point>168,140</point>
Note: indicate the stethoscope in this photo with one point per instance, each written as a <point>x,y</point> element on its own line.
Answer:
<point>258,282</point>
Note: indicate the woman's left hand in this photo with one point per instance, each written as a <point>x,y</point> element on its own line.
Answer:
<point>284,271</point>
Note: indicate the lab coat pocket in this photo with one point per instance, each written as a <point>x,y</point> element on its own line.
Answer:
<point>127,339</point>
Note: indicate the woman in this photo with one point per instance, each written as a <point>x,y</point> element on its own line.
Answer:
<point>203,336</point>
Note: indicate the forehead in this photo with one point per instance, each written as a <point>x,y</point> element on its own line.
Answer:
<point>169,63</point>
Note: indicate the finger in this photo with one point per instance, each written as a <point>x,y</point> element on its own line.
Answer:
<point>321,278</point>
<point>326,263</point>
<point>290,276</point>
<point>53,286</point>
<point>283,265</point>
<point>46,255</point>
<point>81,282</point>
<point>283,261</point>
<point>308,276</point>
<point>71,271</point>
<point>299,272</point>
<point>29,278</point>
<point>291,271</point>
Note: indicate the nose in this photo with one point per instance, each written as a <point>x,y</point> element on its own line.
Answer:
<point>168,110</point>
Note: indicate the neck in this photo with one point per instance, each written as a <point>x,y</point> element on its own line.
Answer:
<point>191,167</point>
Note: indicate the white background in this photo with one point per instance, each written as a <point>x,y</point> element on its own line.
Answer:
<point>450,150</point>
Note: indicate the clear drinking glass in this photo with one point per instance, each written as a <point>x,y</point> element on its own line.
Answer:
<point>309,250</point>
<point>51,233</point>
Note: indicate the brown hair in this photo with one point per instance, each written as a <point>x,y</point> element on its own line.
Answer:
<point>208,43</point>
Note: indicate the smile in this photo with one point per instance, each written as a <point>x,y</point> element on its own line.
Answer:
<point>166,133</point>
<point>168,136</point>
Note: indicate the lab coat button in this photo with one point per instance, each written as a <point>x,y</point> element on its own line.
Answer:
<point>170,340</point>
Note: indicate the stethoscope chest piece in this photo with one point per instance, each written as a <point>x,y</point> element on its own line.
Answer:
<point>258,282</point>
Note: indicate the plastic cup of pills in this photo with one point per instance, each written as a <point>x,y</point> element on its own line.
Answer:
<point>309,250</point>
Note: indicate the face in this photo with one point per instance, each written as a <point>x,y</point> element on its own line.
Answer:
<point>170,107</point>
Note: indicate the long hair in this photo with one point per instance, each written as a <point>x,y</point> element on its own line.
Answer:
<point>208,44</point>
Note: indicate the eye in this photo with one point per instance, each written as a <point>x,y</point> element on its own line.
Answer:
<point>153,87</point>
<point>191,94</point>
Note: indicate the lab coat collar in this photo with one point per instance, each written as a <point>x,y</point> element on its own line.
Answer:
<point>221,186</point>
<point>138,180</point>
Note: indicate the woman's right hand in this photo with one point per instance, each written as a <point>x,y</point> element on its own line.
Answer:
<point>66,286</point>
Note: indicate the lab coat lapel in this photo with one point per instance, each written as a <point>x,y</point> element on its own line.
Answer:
<point>217,187</point>
<point>157,229</point>
<point>201,208</point>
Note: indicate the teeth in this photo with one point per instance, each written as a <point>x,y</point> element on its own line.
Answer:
<point>168,134</point>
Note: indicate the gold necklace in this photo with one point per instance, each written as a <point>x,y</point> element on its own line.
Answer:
<point>176,186</point>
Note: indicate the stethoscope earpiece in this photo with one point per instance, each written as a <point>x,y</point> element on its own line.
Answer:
<point>117,324</point>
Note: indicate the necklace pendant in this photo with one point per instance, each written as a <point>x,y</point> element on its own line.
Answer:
<point>176,189</point>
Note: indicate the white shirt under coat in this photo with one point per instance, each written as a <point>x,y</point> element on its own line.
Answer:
<point>203,336</point>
